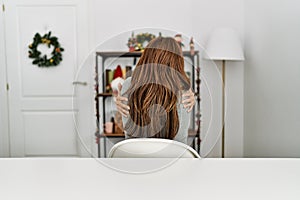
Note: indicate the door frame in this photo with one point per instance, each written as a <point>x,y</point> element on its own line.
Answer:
<point>4,114</point>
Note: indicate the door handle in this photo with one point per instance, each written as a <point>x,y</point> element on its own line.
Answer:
<point>79,83</point>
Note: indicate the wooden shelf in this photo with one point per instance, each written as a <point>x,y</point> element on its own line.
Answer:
<point>136,55</point>
<point>112,135</point>
<point>133,54</point>
<point>192,133</point>
<point>104,94</point>
<point>119,54</point>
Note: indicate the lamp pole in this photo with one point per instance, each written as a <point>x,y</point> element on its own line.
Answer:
<point>223,45</point>
<point>223,109</point>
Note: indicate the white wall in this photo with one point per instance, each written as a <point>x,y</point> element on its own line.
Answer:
<point>272,78</point>
<point>192,18</point>
<point>271,35</point>
<point>195,18</point>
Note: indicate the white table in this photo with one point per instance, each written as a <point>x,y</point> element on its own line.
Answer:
<point>78,178</point>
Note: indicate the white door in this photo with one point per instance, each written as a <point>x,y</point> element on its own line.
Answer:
<point>41,116</point>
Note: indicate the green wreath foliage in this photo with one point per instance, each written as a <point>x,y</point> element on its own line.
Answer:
<point>143,37</point>
<point>42,60</point>
<point>137,42</point>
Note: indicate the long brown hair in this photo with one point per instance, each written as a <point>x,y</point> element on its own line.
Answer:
<point>156,84</point>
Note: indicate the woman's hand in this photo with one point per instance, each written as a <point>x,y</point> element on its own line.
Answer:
<point>121,107</point>
<point>189,100</point>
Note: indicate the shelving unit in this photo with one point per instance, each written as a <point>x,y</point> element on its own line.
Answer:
<point>194,132</point>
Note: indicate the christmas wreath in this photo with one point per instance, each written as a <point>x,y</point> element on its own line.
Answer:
<point>138,42</point>
<point>42,60</point>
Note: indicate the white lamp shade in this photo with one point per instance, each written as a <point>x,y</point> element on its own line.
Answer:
<point>224,44</point>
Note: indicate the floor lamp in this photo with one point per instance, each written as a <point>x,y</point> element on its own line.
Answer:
<point>224,45</point>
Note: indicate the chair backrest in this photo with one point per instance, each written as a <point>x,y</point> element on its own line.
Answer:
<point>152,148</point>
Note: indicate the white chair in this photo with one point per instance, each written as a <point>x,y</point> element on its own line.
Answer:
<point>151,148</point>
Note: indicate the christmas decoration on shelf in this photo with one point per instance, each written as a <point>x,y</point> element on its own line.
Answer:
<point>118,72</point>
<point>178,38</point>
<point>111,77</point>
<point>131,42</point>
<point>192,46</point>
<point>140,41</point>
<point>42,60</point>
